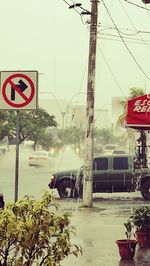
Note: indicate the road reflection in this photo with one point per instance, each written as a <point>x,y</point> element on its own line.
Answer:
<point>142,258</point>
<point>124,262</point>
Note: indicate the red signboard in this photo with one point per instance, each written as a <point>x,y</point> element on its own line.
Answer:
<point>138,112</point>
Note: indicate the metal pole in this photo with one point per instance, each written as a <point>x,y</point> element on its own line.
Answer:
<point>88,159</point>
<point>17,158</point>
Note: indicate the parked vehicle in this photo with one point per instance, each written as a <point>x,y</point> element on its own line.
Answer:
<point>40,158</point>
<point>111,173</point>
<point>109,148</point>
<point>118,152</point>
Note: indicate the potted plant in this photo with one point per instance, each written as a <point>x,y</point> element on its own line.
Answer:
<point>127,246</point>
<point>140,218</point>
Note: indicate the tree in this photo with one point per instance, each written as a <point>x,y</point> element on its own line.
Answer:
<point>105,135</point>
<point>134,92</point>
<point>71,135</point>
<point>32,124</point>
<point>47,140</point>
<point>33,233</point>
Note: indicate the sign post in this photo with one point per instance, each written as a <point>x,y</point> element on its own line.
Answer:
<point>18,92</point>
<point>17,158</point>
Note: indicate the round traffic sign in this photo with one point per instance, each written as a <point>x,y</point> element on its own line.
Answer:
<point>25,99</point>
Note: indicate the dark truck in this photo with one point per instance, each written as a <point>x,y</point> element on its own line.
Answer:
<point>111,173</point>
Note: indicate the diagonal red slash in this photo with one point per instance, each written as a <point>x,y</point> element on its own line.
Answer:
<point>16,89</point>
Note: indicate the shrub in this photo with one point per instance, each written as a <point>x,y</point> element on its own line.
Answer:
<point>33,233</point>
<point>140,218</point>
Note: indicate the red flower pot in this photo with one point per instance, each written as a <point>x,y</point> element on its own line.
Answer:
<point>126,248</point>
<point>143,239</point>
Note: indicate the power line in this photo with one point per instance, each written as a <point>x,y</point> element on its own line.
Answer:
<point>113,75</point>
<point>70,5</point>
<point>136,5</point>
<point>128,39</point>
<point>125,42</point>
<point>125,29</point>
<point>117,40</point>
<point>132,23</point>
<point>74,6</point>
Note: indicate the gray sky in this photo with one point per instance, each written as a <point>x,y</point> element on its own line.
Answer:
<point>49,37</point>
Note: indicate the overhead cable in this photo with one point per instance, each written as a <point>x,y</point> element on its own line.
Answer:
<point>136,5</point>
<point>128,39</point>
<point>123,33</point>
<point>132,23</point>
<point>125,42</point>
<point>113,75</point>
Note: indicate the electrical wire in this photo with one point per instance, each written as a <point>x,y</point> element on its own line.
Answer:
<point>113,75</point>
<point>74,8</point>
<point>136,5</point>
<point>115,40</point>
<point>148,12</point>
<point>132,23</point>
<point>84,9</point>
<point>125,42</point>
<point>123,33</point>
<point>128,39</point>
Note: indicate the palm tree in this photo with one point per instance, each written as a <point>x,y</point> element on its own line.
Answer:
<point>134,92</point>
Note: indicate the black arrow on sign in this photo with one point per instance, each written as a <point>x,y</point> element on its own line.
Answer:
<point>21,86</point>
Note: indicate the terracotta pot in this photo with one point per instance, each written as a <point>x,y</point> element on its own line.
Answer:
<point>143,239</point>
<point>126,248</point>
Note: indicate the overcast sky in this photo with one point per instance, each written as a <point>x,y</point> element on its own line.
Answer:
<point>47,36</point>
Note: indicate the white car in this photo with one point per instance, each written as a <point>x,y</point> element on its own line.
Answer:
<point>40,158</point>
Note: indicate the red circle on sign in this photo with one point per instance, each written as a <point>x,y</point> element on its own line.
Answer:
<point>27,100</point>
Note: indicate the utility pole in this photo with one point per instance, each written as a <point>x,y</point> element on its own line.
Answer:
<point>88,156</point>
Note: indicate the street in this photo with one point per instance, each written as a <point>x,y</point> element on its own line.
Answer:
<point>97,228</point>
<point>32,180</point>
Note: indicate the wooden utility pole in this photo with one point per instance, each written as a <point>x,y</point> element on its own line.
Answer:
<point>88,156</point>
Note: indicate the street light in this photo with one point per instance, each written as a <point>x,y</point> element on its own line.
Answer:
<point>62,112</point>
<point>58,105</point>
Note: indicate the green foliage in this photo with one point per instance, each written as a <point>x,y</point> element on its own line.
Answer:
<point>106,136</point>
<point>32,233</point>
<point>46,141</point>
<point>140,218</point>
<point>32,124</point>
<point>133,92</point>
<point>71,135</point>
<point>128,225</point>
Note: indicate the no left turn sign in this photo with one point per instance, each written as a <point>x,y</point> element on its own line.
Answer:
<point>19,90</point>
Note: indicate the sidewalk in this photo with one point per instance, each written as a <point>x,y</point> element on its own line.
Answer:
<point>97,229</point>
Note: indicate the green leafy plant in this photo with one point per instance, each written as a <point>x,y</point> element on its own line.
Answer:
<point>140,218</point>
<point>128,225</point>
<point>33,233</point>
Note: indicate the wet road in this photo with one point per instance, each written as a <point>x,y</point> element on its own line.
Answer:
<point>32,180</point>
<point>97,229</point>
